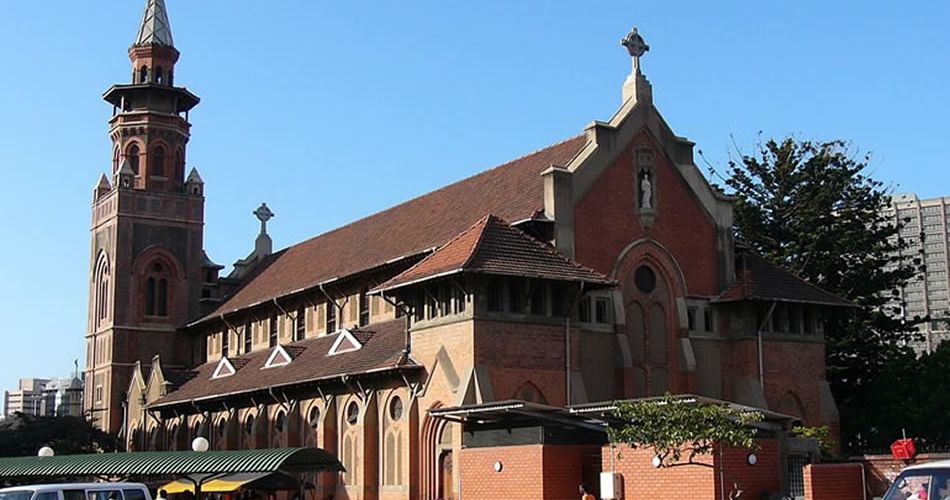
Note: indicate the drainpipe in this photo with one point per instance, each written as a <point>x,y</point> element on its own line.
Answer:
<point>567,345</point>
<point>768,317</point>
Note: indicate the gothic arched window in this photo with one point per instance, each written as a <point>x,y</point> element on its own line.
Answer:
<point>132,154</point>
<point>156,291</point>
<point>158,162</point>
<point>159,75</point>
<point>103,274</point>
<point>143,74</point>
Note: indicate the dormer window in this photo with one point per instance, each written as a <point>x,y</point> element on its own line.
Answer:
<point>224,369</point>
<point>278,357</point>
<point>345,342</point>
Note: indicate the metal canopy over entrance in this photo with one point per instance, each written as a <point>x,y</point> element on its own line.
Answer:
<point>171,463</point>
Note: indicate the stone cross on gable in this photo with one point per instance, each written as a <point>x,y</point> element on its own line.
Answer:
<point>636,46</point>
<point>263,214</point>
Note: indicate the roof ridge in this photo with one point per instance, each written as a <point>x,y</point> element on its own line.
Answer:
<point>427,193</point>
<point>446,244</point>
<point>484,222</point>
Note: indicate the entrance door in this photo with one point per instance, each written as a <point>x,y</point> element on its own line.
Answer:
<point>647,304</point>
<point>446,484</point>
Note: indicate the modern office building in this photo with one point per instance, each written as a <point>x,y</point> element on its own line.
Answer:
<point>26,398</point>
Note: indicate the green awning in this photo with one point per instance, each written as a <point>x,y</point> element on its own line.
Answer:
<point>171,463</point>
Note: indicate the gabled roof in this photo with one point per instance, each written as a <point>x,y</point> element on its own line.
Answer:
<point>155,28</point>
<point>514,191</point>
<point>492,246</point>
<point>382,349</point>
<point>759,279</point>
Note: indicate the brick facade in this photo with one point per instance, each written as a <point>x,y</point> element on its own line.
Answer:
<point>834,481</point>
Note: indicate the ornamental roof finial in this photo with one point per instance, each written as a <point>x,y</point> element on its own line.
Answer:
<point>636,46</point>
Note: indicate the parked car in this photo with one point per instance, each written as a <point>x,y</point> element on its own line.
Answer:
<point>77,491</point>
<point>929,481</point>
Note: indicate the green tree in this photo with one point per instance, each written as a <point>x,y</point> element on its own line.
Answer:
<point>672,426</point>
<point>23,435</point>
<point>811,208</point>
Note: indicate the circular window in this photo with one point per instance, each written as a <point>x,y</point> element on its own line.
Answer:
<point>249,425</point>
<point>314,417</point>
<point>352,413</point>
<point>645,279</point>
<point>395,408</point>
<point>279,421</point>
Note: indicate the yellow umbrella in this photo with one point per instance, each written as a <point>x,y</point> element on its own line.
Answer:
<point>233,482</point>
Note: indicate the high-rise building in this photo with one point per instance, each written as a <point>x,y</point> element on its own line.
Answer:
<point>62,397</point>
<point>26,398</point>
<point>926,226</point>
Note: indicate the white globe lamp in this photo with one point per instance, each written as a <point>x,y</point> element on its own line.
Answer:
<point>45,451</point>
<point>200,444</point>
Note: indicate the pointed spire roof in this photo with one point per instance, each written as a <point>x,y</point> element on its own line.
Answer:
<point>104,182</point>
<point>194,177</point>
<point>126,168</point>
<point>155,28</point>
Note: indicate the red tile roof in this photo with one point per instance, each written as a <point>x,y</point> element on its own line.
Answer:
<point>492,246</point>
<point>514,191</point>
<point>382,349</point>
<point>759,279</point>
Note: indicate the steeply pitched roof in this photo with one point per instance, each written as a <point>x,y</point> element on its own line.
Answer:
<point>759,279</point>
<point>492,246</point>
<point>155,28</point>
<point>514,191</point>
<point>382,349</point>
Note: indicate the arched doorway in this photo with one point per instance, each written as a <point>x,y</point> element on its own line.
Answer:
<point>648,304</point>
<point>446,477</point>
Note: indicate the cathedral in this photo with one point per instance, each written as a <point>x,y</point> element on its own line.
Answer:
<point>599,268</point>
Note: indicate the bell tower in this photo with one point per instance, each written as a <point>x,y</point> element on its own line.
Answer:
<point>147,264</point>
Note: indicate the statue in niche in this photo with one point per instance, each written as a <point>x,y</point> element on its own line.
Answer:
<point>646,190</point>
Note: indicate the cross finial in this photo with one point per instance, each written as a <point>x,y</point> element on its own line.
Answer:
<point>636,46</point>
<point>263,214</point>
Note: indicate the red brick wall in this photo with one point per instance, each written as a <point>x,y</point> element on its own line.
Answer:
<point>529,471</point>
<point>753,480</point>
<point>532,353</point>
<point>700,480</point>
<point>605,222</point>
<point>642,480</point>
<point>833,481</point>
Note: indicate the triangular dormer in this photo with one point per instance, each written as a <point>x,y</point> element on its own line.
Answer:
<point>345,342</point>
<point>278,357</point>
<point>224,369</point>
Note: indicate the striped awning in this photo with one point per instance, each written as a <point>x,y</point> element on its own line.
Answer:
<point>171,463</point>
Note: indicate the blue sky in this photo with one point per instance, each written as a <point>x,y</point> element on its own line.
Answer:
<point>334,110</point>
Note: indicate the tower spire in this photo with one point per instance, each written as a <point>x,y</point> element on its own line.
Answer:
<point>155,28</point>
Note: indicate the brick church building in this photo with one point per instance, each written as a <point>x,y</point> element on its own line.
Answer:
<point>599,268</point>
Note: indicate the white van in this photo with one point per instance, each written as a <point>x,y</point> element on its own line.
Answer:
<point>929,481</point>
<point>77,491</point>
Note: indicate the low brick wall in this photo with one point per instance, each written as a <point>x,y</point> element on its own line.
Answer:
<point>834,481</point>
<point>527,471</point>
<point>700,480</point>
